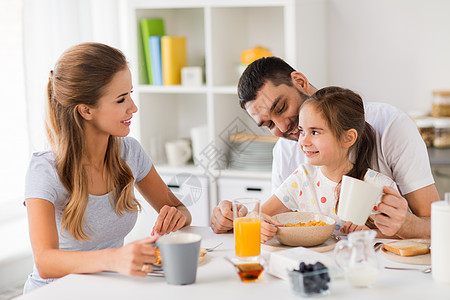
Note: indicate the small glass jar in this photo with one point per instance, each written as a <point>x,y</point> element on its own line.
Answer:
<point>426,129</point>
<point>441,104</point>
<point>310,284</point>
<point>441,132</point>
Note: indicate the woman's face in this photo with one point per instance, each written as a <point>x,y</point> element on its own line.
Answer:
<point>115,108</point>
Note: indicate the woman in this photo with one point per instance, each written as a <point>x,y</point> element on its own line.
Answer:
<point>79,196</point>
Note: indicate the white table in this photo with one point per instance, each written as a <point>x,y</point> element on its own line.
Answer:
<point>217,279</point>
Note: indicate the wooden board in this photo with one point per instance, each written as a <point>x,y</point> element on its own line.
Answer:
<point>424,259</point>
<point>273,245</point>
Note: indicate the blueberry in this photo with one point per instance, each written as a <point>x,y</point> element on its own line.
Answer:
<point>302,267</point>
<point>318,266</point>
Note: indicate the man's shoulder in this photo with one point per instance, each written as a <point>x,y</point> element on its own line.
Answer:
<point>380,110</point>
<point>382,115</point>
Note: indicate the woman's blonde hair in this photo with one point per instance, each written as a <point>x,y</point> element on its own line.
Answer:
<point>80,76</point>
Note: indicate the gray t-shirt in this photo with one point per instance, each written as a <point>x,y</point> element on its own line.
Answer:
<point>106,228</point>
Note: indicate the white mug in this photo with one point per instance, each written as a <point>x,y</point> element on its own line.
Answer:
<point>357,200</point>
<point>178,152</point>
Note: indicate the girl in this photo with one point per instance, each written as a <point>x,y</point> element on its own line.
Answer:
<point>79,196</point>
<point>336,141</point>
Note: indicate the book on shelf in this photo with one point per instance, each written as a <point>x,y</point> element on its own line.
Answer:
<point>155,59</point>
<point>173,58</point>
<point>150,27</point>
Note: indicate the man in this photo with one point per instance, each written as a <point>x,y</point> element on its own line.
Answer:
<point>272,92</point>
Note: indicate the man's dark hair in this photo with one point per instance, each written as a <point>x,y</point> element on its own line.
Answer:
<point>265,69</point>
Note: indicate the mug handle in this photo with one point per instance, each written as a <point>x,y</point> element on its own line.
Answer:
<point>374,209</point>
<point>186,153</point>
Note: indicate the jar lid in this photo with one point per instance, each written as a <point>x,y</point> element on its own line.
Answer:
<point>441,93</point>
<point>425,122</point>
<point>442,122</point>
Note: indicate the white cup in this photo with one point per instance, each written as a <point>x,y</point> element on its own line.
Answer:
<point>440,241</point>
<point>357,200</point>
<point>178,152</point>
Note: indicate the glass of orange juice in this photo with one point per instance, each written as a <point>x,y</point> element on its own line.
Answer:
<point>247,226</point>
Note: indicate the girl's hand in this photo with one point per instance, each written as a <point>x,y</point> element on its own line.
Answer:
<point>135,259</point>
<point>169,219</point>
<point>393,209</point>
<point>268,231</point>
<point>350,227</point>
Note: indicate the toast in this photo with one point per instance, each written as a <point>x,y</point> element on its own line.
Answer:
<point>407,248</point>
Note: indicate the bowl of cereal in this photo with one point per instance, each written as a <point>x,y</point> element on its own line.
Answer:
<point>304,229</point>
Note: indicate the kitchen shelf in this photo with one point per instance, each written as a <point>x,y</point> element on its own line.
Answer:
<point>173,89</point>
<point>216,32</point>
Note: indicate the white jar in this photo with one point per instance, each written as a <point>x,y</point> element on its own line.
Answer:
<point>441,104</point>
<point>441,132</point>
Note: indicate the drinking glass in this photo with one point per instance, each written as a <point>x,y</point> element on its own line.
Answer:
<point>247,226</point>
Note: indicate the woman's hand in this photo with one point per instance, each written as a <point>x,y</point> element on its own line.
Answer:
<point>350,227</point>
<point>136,258</point>
<point>393,211</point>
<point>268,231</point>
<point>170,219</point>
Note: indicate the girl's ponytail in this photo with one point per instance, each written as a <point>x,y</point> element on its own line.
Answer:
<point>363,152</point>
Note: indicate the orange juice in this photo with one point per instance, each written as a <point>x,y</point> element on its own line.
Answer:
<point>247,236</point>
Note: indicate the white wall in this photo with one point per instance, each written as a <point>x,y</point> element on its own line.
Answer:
<point>394,51</point>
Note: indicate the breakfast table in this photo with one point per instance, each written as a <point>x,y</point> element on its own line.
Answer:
<point>217,279</point>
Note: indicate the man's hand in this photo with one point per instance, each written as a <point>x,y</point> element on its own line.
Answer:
<point>393,212</point>
<point>222,217</point>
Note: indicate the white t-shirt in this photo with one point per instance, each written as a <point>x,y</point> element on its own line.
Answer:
<point>308,190</point>
<point>401,153</point>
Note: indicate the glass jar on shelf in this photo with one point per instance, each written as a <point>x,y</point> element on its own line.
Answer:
<point>441,132</point>
<point>426,129</point>
<point>441,104</point>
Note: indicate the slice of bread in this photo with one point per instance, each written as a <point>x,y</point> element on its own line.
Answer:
<point>407,248</point>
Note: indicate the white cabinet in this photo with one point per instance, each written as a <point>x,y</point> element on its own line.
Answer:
<point>233,188</point>
<point>217,32</point>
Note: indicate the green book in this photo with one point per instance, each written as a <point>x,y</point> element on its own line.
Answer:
<point>150,27</point>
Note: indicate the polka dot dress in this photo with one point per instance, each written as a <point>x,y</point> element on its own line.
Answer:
<point>308,190</point>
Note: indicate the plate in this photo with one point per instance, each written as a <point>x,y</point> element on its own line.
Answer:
<point>328,245</point>
<point>424,259</point>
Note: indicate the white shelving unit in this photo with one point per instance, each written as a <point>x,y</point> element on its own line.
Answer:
<point>217,32</point>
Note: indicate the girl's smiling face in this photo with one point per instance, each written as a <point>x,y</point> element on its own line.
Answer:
<point>319,144</point>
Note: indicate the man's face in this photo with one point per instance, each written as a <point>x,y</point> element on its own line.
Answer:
<point>277,108</point>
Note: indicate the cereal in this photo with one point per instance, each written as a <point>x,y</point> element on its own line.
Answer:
<point>309,223</point>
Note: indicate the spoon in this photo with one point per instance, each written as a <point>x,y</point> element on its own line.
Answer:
<point>271,223</point>
<point>377,246</point>
<point>426,271</point>
<point>212,248</point>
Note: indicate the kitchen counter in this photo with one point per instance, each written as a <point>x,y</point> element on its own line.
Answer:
<point>217,279</point>
<point>439,156</point>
